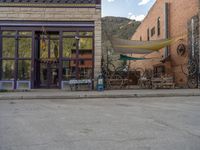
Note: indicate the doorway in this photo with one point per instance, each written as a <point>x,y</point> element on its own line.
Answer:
<point>47,59</point>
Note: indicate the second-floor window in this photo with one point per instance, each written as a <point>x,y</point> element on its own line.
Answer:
<point>158,26</point>
<point>153,31</point>
<point>148,36</point>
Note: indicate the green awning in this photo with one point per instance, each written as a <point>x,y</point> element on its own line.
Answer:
<point>125,58</point>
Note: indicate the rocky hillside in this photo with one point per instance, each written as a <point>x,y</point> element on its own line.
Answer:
<point>118,27</point>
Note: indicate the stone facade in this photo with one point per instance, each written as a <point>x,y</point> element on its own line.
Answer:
<point>179,15</point>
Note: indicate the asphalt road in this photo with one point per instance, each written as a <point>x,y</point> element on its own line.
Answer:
<point>101,124</point>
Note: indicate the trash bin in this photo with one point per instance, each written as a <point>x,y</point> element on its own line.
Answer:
<point>100,83</point>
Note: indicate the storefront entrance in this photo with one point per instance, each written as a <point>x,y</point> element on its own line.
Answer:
<point>48,76</point>
<point>47,59</point>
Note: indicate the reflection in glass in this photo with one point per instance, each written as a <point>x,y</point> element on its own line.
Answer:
<point>25,33</point>
<point>69,33</point>
<point>25,46</point>
<point>69,44</point>
<point>43,74</point>
<point>8,48</point>
<point>24,68</point>
<point>69,71</point>
<point>85,33</point>
<point>54,74</point>
<point>85,69</point>
<point>85,54</point>
<point>43,48</point>
<point>53,36</point>
<point>54,48</point>
<point>86,43</point>
<point>8,33</point>
<point>8,67</point>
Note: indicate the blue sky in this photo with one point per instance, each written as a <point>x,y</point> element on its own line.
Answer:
<point>133,9</point>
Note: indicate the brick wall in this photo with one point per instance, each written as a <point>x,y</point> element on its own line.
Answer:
<point>59,14</point>
<point>180,12</point>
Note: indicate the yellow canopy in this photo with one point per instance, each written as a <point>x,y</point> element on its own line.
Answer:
<point>139,47</point>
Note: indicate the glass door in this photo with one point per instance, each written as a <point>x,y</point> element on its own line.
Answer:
<point>48,60</point>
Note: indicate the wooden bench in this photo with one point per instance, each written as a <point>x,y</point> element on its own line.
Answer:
<point>164,82</point>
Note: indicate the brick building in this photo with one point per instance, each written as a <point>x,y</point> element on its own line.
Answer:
<point>44,43</point>
<point>171,19</point>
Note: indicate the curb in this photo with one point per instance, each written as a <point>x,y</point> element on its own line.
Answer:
<point>46,97</point>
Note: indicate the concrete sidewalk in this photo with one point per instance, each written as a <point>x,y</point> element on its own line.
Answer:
<point>59,94</point>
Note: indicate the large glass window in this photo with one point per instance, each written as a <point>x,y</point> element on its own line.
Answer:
<point>8,33</point>
<point>69,46</point>
<point>76,60</point>
<point>80,66</point>
<point>85,54</point>
<point>69,33</point>
<point>8,67</point>
<point>54,48</point>
<point>24,69</point>
<point>8,49</point>
<point>85,69</point>
<point>69,70</point>
<point>25,46</point>
<point>24,33</point>
<point>86,43</point>
<point>12,43</point>
<point>86,33</point>
<point>44,48</point>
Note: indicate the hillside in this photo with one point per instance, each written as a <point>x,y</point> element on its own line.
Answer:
<point>118,27</point>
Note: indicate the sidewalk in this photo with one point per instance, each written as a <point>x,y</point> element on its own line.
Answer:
<point>59,94</point>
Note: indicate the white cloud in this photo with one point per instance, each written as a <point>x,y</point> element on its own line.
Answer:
<point>111,0</point>
<point>135,17</point>
<point>143,2</point>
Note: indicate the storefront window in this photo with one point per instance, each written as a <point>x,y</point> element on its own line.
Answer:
<point>53,36</point>
<point>8,33</point>
<point>25,33</point>
<point>86,43</point>
<point>85,54</point>
<point>54,49</point>
<point>86,33</point>
<point>24,67</point>
<point>25,46</point>
<point>8,67</point>
<point>76,55</point>
<point>69,45</point>
<point>69,33</point>
<point>69,70</point>
<point>44,48</point>
<point>8,47</point>
<point>85,69</point>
